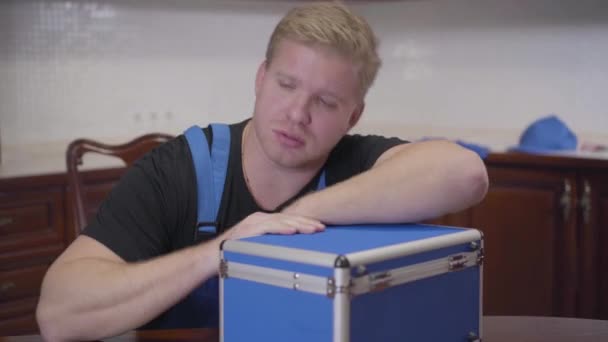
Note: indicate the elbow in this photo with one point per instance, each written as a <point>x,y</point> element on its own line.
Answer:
<point>54,324</point>
<point>475,180</point>
<point>49,329</point>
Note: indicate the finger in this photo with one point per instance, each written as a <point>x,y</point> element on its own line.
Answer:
<point>309,228</point>
<point>281,228</point>
<point>282,225</point>
<point>299,225</point>
<point>303,220</point>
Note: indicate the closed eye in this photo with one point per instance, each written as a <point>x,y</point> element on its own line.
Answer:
<point>327,103</point>
<point>286,85</point>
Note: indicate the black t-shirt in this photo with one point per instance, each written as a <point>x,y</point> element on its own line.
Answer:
<point>153,208</point>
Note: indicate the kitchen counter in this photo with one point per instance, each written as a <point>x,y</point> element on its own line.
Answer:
<point>30,160</point>
<point>41,159</point>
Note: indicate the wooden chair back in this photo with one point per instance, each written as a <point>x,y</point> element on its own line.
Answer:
<point>128,152</point>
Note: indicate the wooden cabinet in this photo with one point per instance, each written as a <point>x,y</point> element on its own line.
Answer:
<point>601,228</point>
<point>529,233</point>
<point>32,234</point>
<point>593,194</point>
<point>35,227</point>
<point>545,226</point>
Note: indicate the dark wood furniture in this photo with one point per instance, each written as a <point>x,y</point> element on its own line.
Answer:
<point>545,221</point>
<point>35,227</point>
<point>41,215</point>
<point>543,329</point>
<point>128,153</point>
<point>496,329</point>
<point>32,223</point>
<point>545,226</point>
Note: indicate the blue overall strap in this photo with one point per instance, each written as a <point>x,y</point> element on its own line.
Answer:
<point>322,183</point>
<point>220,151</point>
<point>210,185</point>
<point>200,309</point>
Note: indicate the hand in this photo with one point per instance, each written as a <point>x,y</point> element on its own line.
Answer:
<point>260,223</point>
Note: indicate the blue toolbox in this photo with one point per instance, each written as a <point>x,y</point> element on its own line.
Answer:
<point>365,283</point>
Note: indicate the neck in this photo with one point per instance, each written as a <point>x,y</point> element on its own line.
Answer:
<point>270,184</point>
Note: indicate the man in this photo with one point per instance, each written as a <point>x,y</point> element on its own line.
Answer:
<point>139,257</point>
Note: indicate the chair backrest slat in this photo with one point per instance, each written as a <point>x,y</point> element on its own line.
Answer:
<point>128,152</point>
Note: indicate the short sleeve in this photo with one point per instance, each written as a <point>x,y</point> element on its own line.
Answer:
<point>152,209</point>
<point>357,153</point>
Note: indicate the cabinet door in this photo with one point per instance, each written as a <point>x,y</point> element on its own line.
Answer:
<point>600,212</point>
<point>593,217</point>
<point>19,291</point>
<point>31,218</point>
<point>529,231</point>
<point>32,234</point>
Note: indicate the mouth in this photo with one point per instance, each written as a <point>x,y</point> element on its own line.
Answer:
<point>288,140</point>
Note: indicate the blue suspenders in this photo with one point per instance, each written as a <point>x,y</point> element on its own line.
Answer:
<point>201,307</point>
<point>210,185</point>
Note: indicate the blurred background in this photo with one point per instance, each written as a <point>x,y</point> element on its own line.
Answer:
<point>479,70</point>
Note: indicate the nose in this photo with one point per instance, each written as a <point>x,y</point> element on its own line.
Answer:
<point>299,111</point>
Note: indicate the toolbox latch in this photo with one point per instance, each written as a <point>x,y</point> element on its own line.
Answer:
<point>480,257</point>
<point>223,271</point>
<point>380,281</point>
<point>457,262</point>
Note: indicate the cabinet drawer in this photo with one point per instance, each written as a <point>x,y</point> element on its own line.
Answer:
<point>24,325</point>
<point>19,291</point>
<point>19,219</point>
<point>21,283</point>
<point>31,218</point>
<point>18,317</point>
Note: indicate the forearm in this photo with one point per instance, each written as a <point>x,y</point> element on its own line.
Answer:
<point>90,298</point>
<point>409,186</point>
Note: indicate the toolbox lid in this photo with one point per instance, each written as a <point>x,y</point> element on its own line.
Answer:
<point>347,239</point>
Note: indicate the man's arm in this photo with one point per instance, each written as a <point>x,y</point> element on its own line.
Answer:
<point>91,293</point>
<point>408,183</point>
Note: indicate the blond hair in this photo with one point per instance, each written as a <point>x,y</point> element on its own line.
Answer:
<point>333,25</point>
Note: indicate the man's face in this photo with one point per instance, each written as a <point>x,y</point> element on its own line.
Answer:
<point>306,99</point>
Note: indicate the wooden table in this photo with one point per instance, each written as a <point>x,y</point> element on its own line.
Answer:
<point>543,329</point>
<point>496,329</point>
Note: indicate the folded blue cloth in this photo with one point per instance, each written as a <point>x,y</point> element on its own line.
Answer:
<point>481,150</point>
<point>546,134</point>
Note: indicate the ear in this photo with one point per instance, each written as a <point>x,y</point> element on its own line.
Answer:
<point>356,115</point>
<point>259,77</point>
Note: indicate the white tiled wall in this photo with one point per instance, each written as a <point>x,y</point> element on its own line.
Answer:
<point>479,70</point>
<point>483,70</point>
